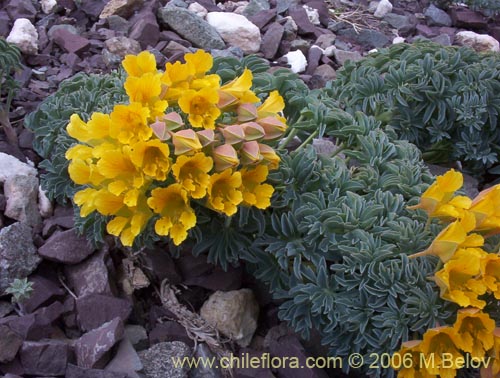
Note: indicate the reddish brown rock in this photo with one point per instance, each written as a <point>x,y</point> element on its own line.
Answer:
<point>70,42</point>
<point>66,247</point>
<point>161,264</point>
<point>263,17</point>
<point>10,342</point>
<point>21,9</point>
<point>146,30</point>
<point>300,17</point>
<point>169,331</point>
<point>94,310</point>
<point>92,348</point>
<point>44,358</point>
<point>468,19</point>
<point>74,371</point>
<point>43,291</point>
<point>271,40</point>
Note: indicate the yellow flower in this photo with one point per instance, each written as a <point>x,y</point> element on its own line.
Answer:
<point>223,193</point>
<point>201,107</point>
<point>238,90</point>
<point>85,200</point>
<point>146,90</point>
<point>455,208</point>
<point>129,123</point>
<point>272,107</point>
<point>191,172</point>
<point>440,342</point>
<point>92,132</point>
<point>416,367</point>
<point>186,141</point>
<point>116,164</point>
<point>176,77</point>
<point>269,156</point>
<point>486,209</point>
<point>152,157</point>
<point>254,192</point>
<point>490,269</point>
<point>200,61</point>
<point>138,65</point>
<point>458,279</point>
<point>495,366</point>
<point>177,217</point>
<point>454,236</point>
<point>440,192</point>
<point>475,329</point>
<point>107,203</point>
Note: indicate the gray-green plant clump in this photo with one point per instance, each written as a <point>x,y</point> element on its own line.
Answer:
<point>446,100</point>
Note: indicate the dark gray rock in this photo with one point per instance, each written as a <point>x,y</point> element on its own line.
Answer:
<point>44,358</point>
<point>10,342</point>
<point>368,39</point>
<point>442,39</point>
<point>93,8</point>
<point>426,31</point>
<point>191,27</point>
<point>5,24</point>
<point>21,9</point>
<point>437,17</point>
<point>6,308</point>
<point>203,352</point>
<point>157,360</point>
<point>255,6</point>
<point>74,371</point>
<point>313,57</point>
<point>404,24</point>
<point>66,247</point>
<point>342,56</point>
<point>18,255</point>
<point>283,5</point>
<point>159,262</point>
<point>96,309</point>
<point>260,372</point>
<point>125,360</point>
<point>92,348</point>
<point>169,331</point>
<point>91,276</point>
<point>271,40</point>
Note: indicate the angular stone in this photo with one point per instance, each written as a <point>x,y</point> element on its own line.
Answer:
<point>90,276</point>
<point>161,264</point>
<point>437,17</point>
<point>43,290</point>
<point>24,36</point>
<point>70,42</point>
<point>425,31</point>
<point>92,8</point>
<point>6,308</point>
<point>66,247</point>
<point>169,331</point>
<point>4,24</point>
<point>203,352</point>
<point>21,9</point>
<point>342,56</point>
<point>404,24</point>
<point>299,15</point>
<point>125,360</point>
<point>284,5</point>
<point>11,166</point>
<point>442,39</point>
<point>233,313</point>
<point>67,27</point>
<point>271,40</point>
<point>479,42</point>
<point>146,30</point>
<point>263,18</point>
<point>77,372</point>
<point>157,360</point>
<point>322,9</point>
<point>96,309</point>
<point>123,8</point>
<point>255,6</point>
<point>367,38</point>
<point>259,372</point>
<point>191,27</point>
<point>92,348</point>
<point>468,19</point>
<point>18,257</point>
<point>313,58</point>
<point>44,358</point>
<point>118,24</point>
<point>21,193</point>
<point>122,46</point>
<point>326,72</point>
<point>383,8</point>
<point>10,342</point>
<point>137,335</point>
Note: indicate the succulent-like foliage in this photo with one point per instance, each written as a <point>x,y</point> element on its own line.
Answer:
<point>446,100</point>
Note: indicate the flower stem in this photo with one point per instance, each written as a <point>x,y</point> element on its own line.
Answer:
<point>227,222</point>
<point>287,140</point>
<point>306,142</point>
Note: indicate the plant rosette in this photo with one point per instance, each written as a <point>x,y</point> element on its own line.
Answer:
<point>183,141</point>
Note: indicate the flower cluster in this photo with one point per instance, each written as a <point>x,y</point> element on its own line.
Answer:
<point>468,272</point>
<point>182,139</point>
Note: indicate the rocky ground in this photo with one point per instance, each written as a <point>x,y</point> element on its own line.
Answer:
<point>104,312</point>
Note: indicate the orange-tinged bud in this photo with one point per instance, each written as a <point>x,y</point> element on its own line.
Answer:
<point>225,156</point>
<point>269,156</point>
<point>253,131</point>
<point>233,134</point>
<point>273,127</point>
<point>160,130</point>
<point>250,153</point>
<point>246,112</point>
<point>185,141</point>
<point>206,137</point>
<point>226,99</point>
<point>173,121</point>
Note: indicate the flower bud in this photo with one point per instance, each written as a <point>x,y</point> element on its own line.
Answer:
<point>233,134</point>
<point>269,156</point>
<point>206,136</point>
<point>185,141</point>
<point>253,131</point>
<point>246,112</point>
<point>273,127</point>
<point>225,156</point>
<point>250,153</point>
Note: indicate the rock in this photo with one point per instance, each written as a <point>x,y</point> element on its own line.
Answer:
<point>77,372</point>
<point>325,40</point>
<point>271,40</point>
<point>67,27</point>
<point>442,39</point>
<point>404,24</point>
<point>90,276</point>
<point>18,257</point>
<point>69,42</point>
<point>312,14</point>
<point>314,55</point>
<point>322,9</point>
<point>369,39</point>
<point>198,9</point>
<point>468,19</point>
<point>236,30</point>
<point>283,5</point>
<point>17,9</point>
<point>436,16</point>
<point>383,8</point>
<point>5,24</point>
<point>296,60</point>
<point>66,247</point>
<point>43,358</point>
<point>326,72</point>
<point>299,15</point>
<point>92,348</point>
<point>48,5</point>
<point>263,18</point>
<point>123,8</point>
<point>203,352</point>
<point>161,264</point>
<point>24,36</point>
<point>6,308</point>
<point>122,46</point>
<point>300,44</point>
<point>137,335</point>
<point>234,313</point>
<point>92,8</point>
<point>342,56</point>
<point>10,342</point>
<point>21,193</point>
<point>191,27</point>
<point>96,309</point>
<point>125,360</point>
<point>118,24</point>
<point>145,30</point>
<point>44,204</point>
<point>261,371</point>
<point>43,291</point>
<point>169,331</point>
<point>291,29</point>
<point>479,42</point>
<point>255,6</point>
<point>157,360</point>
